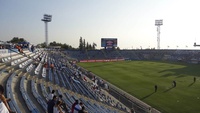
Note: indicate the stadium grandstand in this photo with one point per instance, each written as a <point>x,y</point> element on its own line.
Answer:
<point>36,73</point>
<point>188,56</point>
<point>28,77</point>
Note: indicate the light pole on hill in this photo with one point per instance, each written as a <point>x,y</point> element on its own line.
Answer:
<point>158,23</point>
<point>46,19</point>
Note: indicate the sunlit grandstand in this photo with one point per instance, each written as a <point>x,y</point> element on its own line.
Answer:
<point>29,74</point>
<point>99,56</point>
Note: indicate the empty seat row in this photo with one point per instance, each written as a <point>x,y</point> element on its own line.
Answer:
<point>10,56</point>
<point>50,76</point>
<point>44,92</point>
<point>44,72</point>
<point>27,99</point>
<point>32,54</point>
<point>68,85</point>
<point>22,65</point>
<point>6,59</point>
<point>15,62</point>
<point>43,58</point>
<point>36,56</point>
<point>30,67</point>
<point>16,56</point>
<point>38,97</point>
<point>38,68</point>
<point>56,78</point>
<point>61,78</point>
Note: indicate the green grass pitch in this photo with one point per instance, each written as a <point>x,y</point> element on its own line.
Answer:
<point>139,77</point>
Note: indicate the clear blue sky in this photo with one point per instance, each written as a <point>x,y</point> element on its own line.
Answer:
<point>131,21</point>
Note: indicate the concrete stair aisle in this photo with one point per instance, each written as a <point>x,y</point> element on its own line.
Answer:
<point>42,88</point>
<point>27,86</point>
<point>14,85</point>
<point>17,94</point>
<point>39,90</point>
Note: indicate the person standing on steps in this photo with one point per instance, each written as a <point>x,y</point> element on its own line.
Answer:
<point>73,106</point>
<point>51,104</point>
<point>50,96</point>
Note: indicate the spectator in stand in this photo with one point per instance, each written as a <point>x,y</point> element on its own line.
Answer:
<point>20,50</point>
<point>84,78</point>
<point>83,110</point>
<point>50,96</point>
<point>73,106</point>
<point>51,103</point>
<point>46,65</point>
<point>106,86</point>
<point>78,107</point>
<point>57,107</point>
<point>32,48</point>
<point>4,108</point>
<point>132,110</point>
<point>63,105</point>
<point>60,98</point>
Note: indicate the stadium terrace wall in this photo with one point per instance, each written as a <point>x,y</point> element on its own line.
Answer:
<point>102,60</point>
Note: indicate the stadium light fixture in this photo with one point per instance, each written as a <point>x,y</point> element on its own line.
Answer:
<point>158,23</point>
<point>46,19</point>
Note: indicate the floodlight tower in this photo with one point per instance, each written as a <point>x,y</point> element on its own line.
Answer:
<point>158,23</point>
<point>46,19</point>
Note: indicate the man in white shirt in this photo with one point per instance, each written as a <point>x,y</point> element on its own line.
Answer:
<point>50,96</point>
